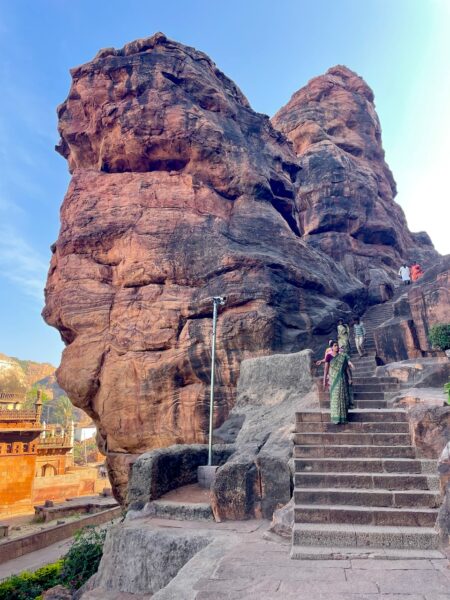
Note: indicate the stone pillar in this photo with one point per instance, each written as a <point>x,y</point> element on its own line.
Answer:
<point>38,406</point>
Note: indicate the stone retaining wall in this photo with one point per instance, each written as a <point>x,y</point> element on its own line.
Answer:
<point>42,539</point>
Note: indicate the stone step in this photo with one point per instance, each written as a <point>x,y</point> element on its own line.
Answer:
<point>384,481</point>
<point>373,380</point>
<point>359,415</point>
<point>371,404</point>
<point>353,427</point>
<point>364,372</point>
<point>320,534</point>
<point>343,451</point>
<point>374,387</point>
<point>364,515</point>
<point>339,553</point>
<point>362,497</point>
<point>363,465</point>
<point>368,395</point>
<point>166,509</point>
<point>352,439</point>
<point>362,404</point>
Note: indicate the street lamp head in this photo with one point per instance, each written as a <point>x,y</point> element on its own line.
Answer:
<point>219,300</point>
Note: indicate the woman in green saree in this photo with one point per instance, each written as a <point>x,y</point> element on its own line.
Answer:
<point>338,377</point>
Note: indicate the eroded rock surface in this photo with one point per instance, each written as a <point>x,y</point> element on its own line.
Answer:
<point>346,191</point>
<point>257,479</point>
<point>180,192</point>
<point>422,305</point>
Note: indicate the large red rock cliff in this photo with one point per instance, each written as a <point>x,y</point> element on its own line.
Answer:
<point>180,192</point>
<point>346,194</point>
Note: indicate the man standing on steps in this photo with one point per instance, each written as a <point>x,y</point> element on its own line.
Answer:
<point>405,274</point>
<point>360,334</point>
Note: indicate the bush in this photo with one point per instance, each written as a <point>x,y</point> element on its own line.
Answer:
<point>83,558</point>
<point>440,336</point>
<point>27,586</point>
<point>447,391</point>
<point>73,570</point>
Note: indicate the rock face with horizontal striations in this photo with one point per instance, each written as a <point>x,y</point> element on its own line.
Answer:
<point>346,191</point>
<point>181,192</point>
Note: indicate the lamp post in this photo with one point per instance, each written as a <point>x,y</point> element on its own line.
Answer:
<point>206,473</point>
<point>217,301</point>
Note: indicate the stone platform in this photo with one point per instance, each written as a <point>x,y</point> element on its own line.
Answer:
<point>243,561</point>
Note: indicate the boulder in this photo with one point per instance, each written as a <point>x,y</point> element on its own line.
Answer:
<point>159,471</point>
<point>443,520</point>
<point>157,556</point>
<point>283,520</point>
<point>396,340</point>
<point>430,429</point>
<point>58,592</point>
<point>429,301</point>
<point>418,373</point>
<point>257,479</point>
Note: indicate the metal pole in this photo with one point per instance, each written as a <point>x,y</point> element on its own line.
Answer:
<point>211,392</point>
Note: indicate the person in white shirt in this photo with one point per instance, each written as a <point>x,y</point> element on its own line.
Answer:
<point>360,334</point>
<point>405,274</point>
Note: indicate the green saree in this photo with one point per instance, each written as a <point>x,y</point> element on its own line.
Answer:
<point>340,392</point>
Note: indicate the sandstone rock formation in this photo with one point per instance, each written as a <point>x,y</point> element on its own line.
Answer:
<point>181,192</point>
<point>424,304</point>
<point>346,191</point>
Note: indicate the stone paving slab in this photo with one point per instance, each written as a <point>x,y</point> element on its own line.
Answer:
<point>243,564</point>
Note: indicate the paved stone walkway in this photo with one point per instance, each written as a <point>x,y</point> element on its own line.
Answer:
<point>262,570</point>
<point>258,567</point>
<point>35,560</point>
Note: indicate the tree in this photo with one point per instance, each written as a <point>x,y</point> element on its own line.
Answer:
<point>63,411</point>
<point>31,397</point>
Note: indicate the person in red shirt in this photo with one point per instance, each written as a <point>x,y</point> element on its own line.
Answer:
<point>416,271</point>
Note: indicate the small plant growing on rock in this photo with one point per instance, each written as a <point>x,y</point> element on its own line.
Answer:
<point>447,391</point>
<point>83,558</point>
<point>440,336</point>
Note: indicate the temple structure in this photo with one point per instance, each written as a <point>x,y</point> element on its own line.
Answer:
<point>20,429</point>
<point>36,461</point>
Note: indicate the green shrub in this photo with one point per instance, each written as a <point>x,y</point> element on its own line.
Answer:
<point>447,391</point>
<point>440,336</point>
<point>73,570</point>
<point>83,558</point>
<point>27,586</point>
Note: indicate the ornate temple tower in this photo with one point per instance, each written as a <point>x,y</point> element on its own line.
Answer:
<point>20,428</point>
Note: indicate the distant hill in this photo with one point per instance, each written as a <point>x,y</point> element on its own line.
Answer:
<point>35,371</point>
<point>22,376</point>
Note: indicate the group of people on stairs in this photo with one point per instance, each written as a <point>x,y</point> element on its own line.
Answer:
<point>412,273</point>
<point>337,376</point>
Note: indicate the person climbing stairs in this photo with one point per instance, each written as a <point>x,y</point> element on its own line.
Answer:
<point>359,487</point>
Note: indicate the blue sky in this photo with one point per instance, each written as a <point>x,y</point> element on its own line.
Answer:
<point>270,49</point>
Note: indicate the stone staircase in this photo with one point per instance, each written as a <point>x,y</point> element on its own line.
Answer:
<point>359,488</point>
